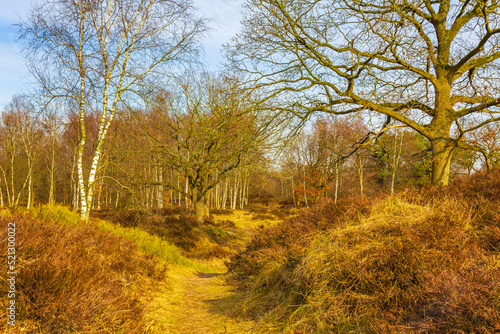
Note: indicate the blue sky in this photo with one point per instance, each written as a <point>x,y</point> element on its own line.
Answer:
<point>13,72</point>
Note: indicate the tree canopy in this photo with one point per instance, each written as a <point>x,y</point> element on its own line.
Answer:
<point>431,65</point>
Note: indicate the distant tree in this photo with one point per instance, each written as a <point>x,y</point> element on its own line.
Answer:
<point>431,65</point>
<point>204,130</point>
<point>486,143</point>
<point>389,149</point>
<point>22,135</point>
<point>97,53</point>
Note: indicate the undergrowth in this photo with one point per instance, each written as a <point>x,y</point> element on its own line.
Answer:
<point>419,262</point>
<point>205,240</point>
<point>76,278</point>
<point>144,240</point>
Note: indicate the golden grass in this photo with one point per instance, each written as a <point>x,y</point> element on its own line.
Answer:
<point>406,267</point>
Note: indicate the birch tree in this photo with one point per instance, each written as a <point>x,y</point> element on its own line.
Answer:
<point>22,136</point>
<point>98,52</point>
<point>431,65</point>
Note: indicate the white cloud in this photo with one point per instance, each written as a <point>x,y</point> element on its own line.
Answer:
<point>227,16</point>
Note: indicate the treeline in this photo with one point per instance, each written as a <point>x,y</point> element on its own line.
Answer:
<point>339,157</point>
<point>218,156</point>
<point>192,147</point>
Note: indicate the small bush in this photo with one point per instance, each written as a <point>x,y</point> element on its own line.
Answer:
<point>56,213</point>
<point>221,212</point>
<point>172,210</point>
<point>263,216</point>
<point>180,231</point>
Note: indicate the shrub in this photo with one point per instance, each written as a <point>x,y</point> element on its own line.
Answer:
<point>420,262</point>
<point>221,212</point>
<point>77,279</point>
<point>203,240</point>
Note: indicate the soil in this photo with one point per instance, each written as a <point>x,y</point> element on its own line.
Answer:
<point>194,302</point>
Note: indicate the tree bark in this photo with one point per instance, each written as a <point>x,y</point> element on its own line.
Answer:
<point>200,205</point>
<point>442,150</point>
<point>359,167</point>
<point>336,182</point>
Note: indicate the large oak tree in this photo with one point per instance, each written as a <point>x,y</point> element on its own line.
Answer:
<point>205,128</point>
<point>432,65</point>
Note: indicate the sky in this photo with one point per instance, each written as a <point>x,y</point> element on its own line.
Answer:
<point>14,75</point>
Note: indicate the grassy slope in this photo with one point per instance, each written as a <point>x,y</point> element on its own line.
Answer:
<point>76,278</point>
<point>103,277</point>
<point>421,262</point>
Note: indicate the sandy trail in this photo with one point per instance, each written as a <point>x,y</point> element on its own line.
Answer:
<point>201,303</point>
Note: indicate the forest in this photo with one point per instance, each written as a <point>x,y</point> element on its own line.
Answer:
<point>338,174</point>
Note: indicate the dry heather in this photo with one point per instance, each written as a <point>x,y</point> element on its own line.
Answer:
<point>76,278</point>
<point>207,240</point>
<point>420,262</point>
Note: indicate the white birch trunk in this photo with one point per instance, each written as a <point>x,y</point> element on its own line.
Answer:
<point>224,197</point>
<point>336,182</point>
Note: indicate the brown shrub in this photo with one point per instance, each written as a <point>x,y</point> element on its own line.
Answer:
<point>221,212</point>
<point>181,231</point>
<point>420,262</point>
<point>203,240</point>
<point>290,237</point>
<point>263,216</point>
<point>76,279</point>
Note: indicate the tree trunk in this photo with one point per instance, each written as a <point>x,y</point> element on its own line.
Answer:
<point>186,191</point>
<point>224,197</point>
<point>159,194</point>
<point>12,181</point>
<point>442,150</point>
<point>359,167</point>
<point>397,157</point>
<point>304,185</point>
<point>30,188</point>
<point>200,205</point>
<point>6,187</point>
<point>336,182</point>
<point>179,193</point>
<point>52,162</point>
<point>117,199</point>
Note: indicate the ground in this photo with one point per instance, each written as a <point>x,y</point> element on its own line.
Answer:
<point>203,302</point>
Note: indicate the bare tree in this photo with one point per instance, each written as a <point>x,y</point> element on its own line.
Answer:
<point>22,136</point>
<point>431,65</point>
<point>205,130</point>
<point>97,53</point>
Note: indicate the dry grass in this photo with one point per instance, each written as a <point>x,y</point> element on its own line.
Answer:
<point>77,278</point>
<point>421,262</point>
<point>202,241</point>
<point>106,278</point>
<point>201,302</point>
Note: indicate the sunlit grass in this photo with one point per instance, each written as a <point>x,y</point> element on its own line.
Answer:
<point>148,243</point>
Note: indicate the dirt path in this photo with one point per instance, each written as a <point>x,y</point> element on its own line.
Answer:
<point>201,303</point>
<point>205,305</point>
